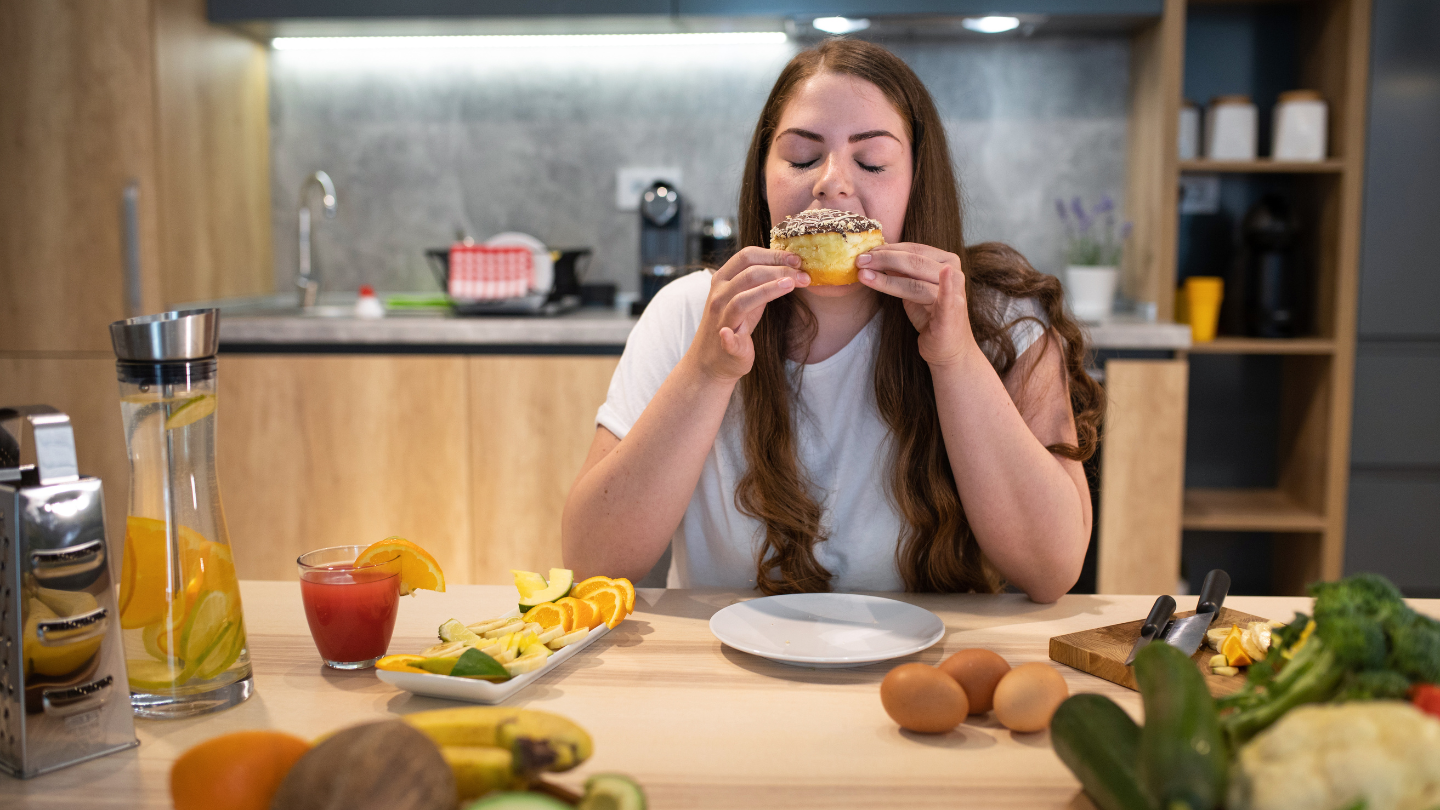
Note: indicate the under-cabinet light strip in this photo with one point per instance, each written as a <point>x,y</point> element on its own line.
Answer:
<point>526,41</point>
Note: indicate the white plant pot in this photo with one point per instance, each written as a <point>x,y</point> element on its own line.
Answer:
<point>1091,291</point>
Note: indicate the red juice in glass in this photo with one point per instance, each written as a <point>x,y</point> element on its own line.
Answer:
<point>351,609</point>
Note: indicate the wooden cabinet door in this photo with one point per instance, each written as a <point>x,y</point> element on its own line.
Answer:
<point>76,126</point>
<point>532,423</point>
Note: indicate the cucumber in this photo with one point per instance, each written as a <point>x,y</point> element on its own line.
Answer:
<point>516,800</point>
<point>1183,759</point>
<point>1100,744</point>
<point>611,791</point>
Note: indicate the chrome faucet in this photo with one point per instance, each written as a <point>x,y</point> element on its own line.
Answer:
<point>308,280</point>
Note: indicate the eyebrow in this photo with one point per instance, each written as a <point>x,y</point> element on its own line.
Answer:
<point>856,138</point>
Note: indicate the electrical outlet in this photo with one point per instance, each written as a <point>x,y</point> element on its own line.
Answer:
<point>1199,193</point>
<point>631,182</point>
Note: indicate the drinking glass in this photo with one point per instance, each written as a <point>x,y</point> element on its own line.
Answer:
<point>351,608</point>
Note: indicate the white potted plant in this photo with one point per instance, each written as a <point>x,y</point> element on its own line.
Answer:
<point>1094,241</point>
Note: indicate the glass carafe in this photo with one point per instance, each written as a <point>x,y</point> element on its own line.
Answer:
<point>184,630</point>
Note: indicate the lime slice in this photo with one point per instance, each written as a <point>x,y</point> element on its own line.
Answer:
<point>191,411</point>
<point>224,653</point>
<point>152,636</point>
<point>208,619</point>
<point>152,676</point>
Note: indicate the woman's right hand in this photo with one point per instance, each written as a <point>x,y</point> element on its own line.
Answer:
<point>739,292</point>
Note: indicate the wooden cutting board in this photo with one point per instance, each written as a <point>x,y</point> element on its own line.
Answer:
<point>1102,651</point>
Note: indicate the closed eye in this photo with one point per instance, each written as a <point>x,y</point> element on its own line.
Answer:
<point>871,169</point>
<point>804,165</point>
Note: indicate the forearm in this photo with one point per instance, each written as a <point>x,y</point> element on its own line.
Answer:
<point>1027,512</point>
<point>622,512</point>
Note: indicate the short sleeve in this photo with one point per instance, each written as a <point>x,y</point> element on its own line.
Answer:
<point>660,338</point>
<point>1025,322</point>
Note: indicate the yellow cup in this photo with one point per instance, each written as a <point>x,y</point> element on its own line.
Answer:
<point>1202,298</point>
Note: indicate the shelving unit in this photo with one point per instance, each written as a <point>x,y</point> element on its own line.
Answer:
<point>1304,508</point>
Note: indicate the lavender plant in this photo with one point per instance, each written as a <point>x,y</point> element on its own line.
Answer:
<point>1093,238</point>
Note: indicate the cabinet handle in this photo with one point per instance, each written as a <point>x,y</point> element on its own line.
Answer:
<point>130,214</point>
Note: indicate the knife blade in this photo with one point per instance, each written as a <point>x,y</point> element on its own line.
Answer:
<point>1187,633</point>
<point>1154,625</point>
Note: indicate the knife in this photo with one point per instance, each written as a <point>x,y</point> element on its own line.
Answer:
<point>1187,633</point>
<point>1154,626</point>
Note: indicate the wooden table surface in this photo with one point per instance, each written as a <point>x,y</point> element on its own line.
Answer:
<point>697,723</point>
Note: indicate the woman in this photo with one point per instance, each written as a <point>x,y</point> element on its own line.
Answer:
<point>922,429</point>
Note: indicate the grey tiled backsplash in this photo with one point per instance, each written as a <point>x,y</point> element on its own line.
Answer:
<point>420,145</point>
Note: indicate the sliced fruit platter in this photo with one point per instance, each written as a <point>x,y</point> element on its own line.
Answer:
<point>490,660</point>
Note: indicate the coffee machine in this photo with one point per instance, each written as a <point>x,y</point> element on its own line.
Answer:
<point>662,239</point>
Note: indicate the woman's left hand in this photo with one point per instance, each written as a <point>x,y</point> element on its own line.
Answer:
<point>932,284</point>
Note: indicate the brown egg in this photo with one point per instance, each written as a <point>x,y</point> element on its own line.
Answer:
<point>922,698</point>
<point>977,671</point>
<point>1028,696</point>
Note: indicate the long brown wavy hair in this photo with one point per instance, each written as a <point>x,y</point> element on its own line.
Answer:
<point>937,550</point>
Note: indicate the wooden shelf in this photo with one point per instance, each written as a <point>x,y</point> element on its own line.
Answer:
<point>1248,510</point>
<point>1242,345</point>
<point>1331,166</point>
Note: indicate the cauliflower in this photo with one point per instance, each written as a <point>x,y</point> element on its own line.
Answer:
<point>1385,754</point>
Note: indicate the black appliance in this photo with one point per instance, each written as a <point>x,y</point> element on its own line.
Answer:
<point>662,239</point>
<point>717,241</point>
<point>1269,273</point>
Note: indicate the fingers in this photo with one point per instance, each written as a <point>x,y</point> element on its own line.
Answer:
<point>752,256</point>
<point>755,297</point>
<point>762,274</point>
<point>910,289</point>
<point>905,262</point>
<point>934,253</point>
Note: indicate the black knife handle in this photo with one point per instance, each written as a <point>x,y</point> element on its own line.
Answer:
<point>1159,614</point>
<point>1212,593</point>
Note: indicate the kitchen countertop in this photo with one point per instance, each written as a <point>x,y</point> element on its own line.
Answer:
<point>698,724</point>
<point>248,326</point>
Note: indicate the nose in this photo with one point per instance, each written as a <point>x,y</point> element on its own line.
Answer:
<point>835,182</point>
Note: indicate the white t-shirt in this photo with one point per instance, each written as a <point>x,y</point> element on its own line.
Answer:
<point>842,442</point>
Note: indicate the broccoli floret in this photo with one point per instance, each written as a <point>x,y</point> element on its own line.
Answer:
<point>1375,684</point>
<point>1366,643</point>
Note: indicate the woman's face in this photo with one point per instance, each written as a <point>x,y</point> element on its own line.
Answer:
<point>842,145</point>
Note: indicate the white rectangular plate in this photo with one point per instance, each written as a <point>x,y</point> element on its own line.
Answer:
<point>473,691</point>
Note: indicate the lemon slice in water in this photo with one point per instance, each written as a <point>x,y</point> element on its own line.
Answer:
<point>191,411</point>
<point>152,676</point>
<point>208,620</point>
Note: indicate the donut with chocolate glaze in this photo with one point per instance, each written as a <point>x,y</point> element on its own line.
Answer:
<point>827,242</point>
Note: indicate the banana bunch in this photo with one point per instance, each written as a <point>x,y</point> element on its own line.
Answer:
<point>499,748</point>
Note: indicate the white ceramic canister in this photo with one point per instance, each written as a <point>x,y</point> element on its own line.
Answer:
<point>1300,126</point>
<point>1189,131</point>
<point>1231,128</point>
<point>1091,290</point>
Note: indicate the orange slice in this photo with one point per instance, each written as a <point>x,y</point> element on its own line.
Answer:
<point>609,603</point>
<point>418,570</point>
<point>593,584</point>
<point>400,663</point>
<point>548,615</point>
<point>585,613</point>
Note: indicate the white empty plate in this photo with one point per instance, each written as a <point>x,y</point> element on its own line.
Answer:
<point>826,629</point>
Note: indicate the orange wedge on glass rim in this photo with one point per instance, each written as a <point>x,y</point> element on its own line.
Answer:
<point>586,587</point>
<point>418,570</point>
<point>609,603</point>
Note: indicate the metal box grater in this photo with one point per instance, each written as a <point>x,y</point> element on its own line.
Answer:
<point>64,697</point>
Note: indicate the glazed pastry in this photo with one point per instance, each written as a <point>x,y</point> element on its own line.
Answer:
<point>827,242</point>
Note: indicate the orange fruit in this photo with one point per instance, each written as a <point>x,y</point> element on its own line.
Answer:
<point>548,615</point>
<point>584,588</point>
<point>585,613</point>
<point>240,771</point>
<point>609,603</point>
<point>418,570</point>
<point>400,663</point>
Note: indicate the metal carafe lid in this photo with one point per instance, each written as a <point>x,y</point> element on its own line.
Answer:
<point>191,334</point>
